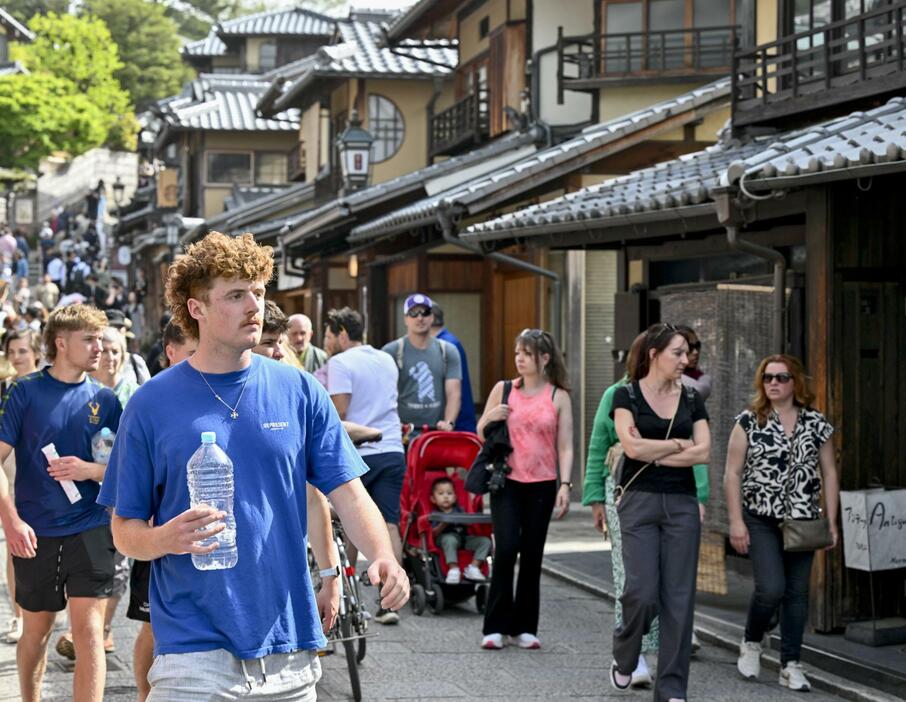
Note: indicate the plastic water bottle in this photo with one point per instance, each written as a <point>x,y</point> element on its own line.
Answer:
<point>210,475</point>
<point>102,445</point>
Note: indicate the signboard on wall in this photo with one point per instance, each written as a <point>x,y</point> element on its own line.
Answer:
<point>168,188</point>
<point>874,529</point>
<point>24,210</point>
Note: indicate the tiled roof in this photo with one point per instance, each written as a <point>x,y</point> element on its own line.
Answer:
<point>294,21</point>
<point>545,165</point>
<point>406,18</point>
<point>19,30</point>
<point>857,145</point>
<point>211,45</point>
<point>686,181</point>
<point>222,102</point>
<point>361,55</point>
<point>341,208</point>
<point>861,139</point>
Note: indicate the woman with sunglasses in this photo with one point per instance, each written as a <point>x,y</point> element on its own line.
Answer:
<point>540,422</point>
<point>779,455</point>
<point>663,429</point>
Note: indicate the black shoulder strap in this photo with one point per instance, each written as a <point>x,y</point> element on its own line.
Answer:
<point>138,378</point>
<point>634,400</point>
<point>689,397</point>
<point>507,386</point>
<point>400,348</point>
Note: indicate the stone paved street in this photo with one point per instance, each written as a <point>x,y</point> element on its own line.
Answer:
<point>437,658</point>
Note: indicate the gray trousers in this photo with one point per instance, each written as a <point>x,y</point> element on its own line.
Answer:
<point>450,542</point>
<point>661,535</point>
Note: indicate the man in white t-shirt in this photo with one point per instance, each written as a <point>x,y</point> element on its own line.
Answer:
<point>362,383</point>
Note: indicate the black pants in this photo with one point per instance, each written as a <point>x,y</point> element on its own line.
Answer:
<point>521,514</point>
<point>781,580</point>
<point>661,535</point>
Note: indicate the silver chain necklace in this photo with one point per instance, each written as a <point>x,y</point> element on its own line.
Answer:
<point>233,413</point>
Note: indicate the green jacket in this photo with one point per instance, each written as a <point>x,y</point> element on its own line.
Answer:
<point>603,436</point>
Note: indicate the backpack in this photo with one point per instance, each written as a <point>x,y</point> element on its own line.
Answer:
<point>492,457</point>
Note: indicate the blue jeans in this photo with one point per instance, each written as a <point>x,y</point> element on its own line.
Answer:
<point>218,676</point>
<point>781,580</point>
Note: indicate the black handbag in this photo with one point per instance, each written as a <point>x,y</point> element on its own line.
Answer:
<point>489,470</point>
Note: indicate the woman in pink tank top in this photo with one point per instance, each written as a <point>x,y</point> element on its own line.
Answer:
<point>540,423</point>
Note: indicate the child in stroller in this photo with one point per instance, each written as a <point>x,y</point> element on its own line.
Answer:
<point>431,456</point>
<point>453,537</point>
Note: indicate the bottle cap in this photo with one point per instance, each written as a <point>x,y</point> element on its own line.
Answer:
<point>105,432</point>
<point>208,437</point>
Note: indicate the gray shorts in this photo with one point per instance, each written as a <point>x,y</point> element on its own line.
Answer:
<point>218,676</point>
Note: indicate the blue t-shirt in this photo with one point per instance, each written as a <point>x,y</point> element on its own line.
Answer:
<point>287,433</point>
<point>466,420</point>
<point>38,410</point>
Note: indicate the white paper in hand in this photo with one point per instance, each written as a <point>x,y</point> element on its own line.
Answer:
<point>69,487</point>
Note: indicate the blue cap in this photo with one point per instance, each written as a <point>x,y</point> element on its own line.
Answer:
<point>208,437</point>
<point>415,300</point>
<point>105,432</point>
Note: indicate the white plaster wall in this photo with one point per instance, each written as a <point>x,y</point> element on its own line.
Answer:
<point>576,17</point>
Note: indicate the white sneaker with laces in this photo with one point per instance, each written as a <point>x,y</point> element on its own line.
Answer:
<point>454,576</point>
<point>14,630</point>
<point>749,662</point>
<point>526,641</point>
<point>641,676</point>
<point>793,677</point>
<point>473,573</point>
<point>493,642</point>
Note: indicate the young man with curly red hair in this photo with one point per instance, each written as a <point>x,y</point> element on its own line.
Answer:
<point>251,629</point>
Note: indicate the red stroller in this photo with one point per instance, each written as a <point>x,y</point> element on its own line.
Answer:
<point>429,458</point>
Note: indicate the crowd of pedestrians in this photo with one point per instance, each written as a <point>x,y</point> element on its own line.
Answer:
<point>85,529</point>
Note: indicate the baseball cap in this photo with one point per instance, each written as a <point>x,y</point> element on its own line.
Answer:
<point>415,300</point>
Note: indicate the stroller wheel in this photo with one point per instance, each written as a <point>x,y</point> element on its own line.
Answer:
<point>418,599</point>
<point>481,598</point>
<point>436,602</point>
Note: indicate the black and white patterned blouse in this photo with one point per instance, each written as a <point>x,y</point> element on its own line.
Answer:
<point>775,464</point>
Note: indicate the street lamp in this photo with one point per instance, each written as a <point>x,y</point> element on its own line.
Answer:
<point>354,150</point>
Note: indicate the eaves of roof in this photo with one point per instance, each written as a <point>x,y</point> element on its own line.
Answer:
<point>209,47</point>
<point>294,21</point>
<point>401,24</point>
<point>19,30</point>
<point>858,145</point>
<point>13,68</point>
<point>346,207</point>
<point>591,145</point>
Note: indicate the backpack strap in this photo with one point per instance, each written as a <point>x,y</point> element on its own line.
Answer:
<point>507,386</point>
<point>138,378</point>
<point>634,401</point>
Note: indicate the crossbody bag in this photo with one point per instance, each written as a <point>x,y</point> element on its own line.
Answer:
<point>804,534</point>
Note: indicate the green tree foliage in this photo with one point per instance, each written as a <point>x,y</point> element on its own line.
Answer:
<point>80,51</point>
<point>24,10</point>
<point>148,48</point>
<point>42,114</point>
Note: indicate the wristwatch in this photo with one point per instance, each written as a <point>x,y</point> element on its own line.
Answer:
<point>568,483</point>
<point>330,572</point>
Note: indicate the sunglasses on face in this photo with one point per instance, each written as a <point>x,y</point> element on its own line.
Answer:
<point>418,313</point>
<point>782,378</point>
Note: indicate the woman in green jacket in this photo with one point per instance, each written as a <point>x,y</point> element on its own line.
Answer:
<point>598,491</point>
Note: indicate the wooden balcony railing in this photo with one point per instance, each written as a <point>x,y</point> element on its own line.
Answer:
<point>464,123</point>
<point>589,61</point>
<point>843,61</point>
<point>295,162</point>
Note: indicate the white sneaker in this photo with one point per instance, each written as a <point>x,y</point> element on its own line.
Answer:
<point>454,576</point>
<point>793,677</point>
<point>749,662</point>
<point>696,644</point>
<point>14,630</point>
<point>493,642</point>
<point>641,676</point>
<point>473,573</point>
<point>526,641</point>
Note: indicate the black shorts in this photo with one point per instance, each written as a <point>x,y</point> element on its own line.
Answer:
<point>139,584</point>
<point>80,565</point>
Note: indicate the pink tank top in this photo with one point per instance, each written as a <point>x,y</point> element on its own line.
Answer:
<point>533,434</point>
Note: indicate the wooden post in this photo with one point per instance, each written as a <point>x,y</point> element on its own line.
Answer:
<point>820,365</point>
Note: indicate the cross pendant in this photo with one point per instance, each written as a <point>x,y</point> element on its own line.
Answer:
<point>234,414</point>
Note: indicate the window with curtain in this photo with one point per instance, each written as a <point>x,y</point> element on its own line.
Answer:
<point>267,56</point>
<point>385,122</point>
<point>270,168</point>
<point>229,167</point>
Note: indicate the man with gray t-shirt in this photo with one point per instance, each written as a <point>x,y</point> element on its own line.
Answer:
<point>430,371</point>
